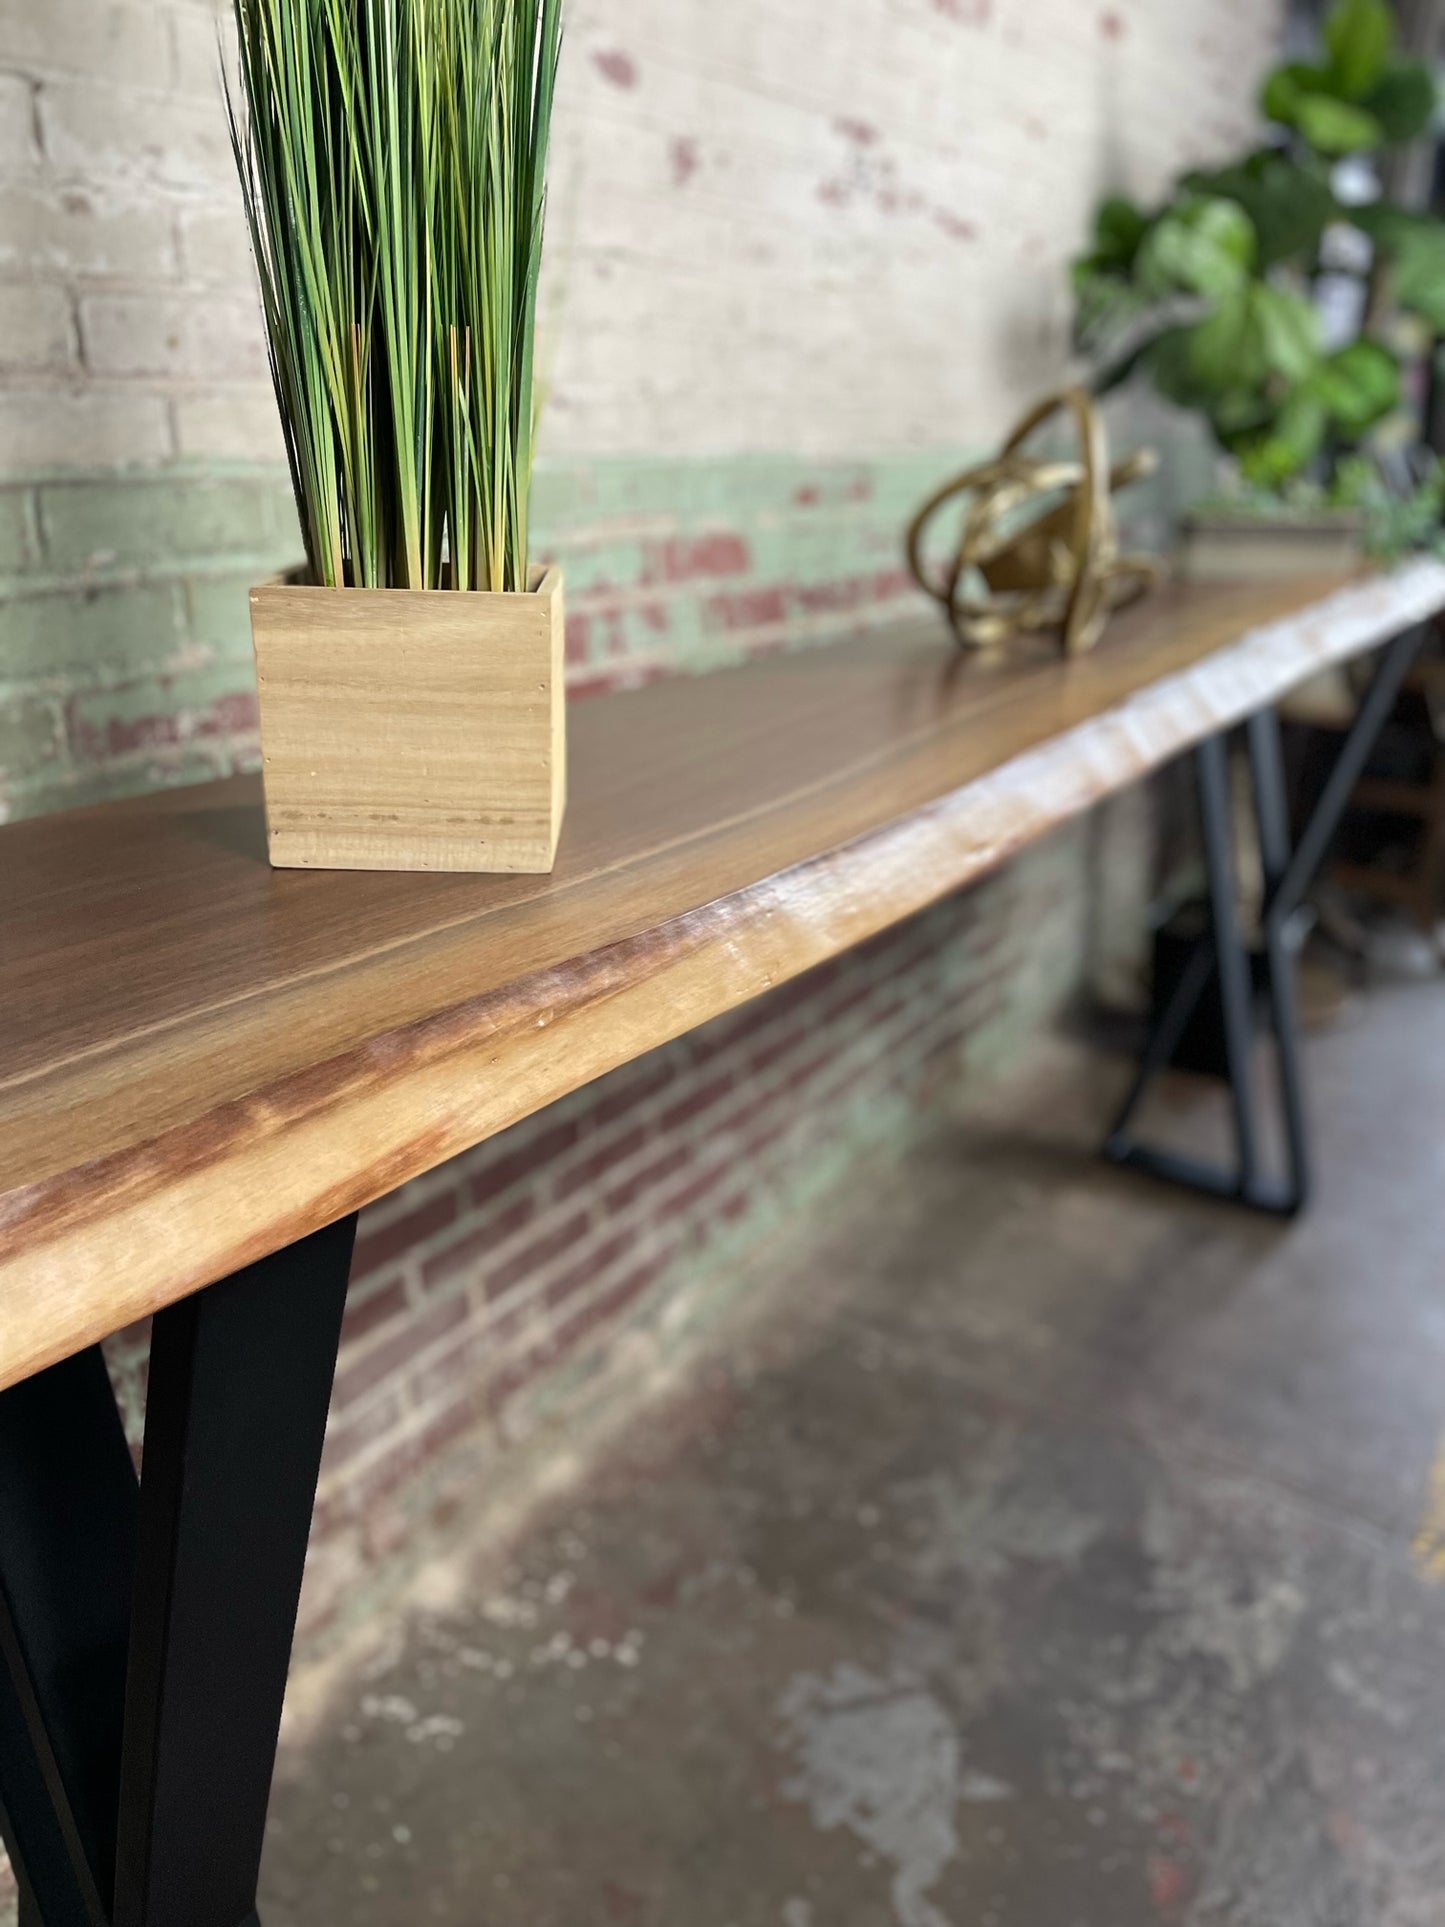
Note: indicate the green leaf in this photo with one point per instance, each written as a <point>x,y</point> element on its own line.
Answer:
<point>1415,243</point>
<point>1254,336</point>
<point>1359,386</point>
<point>1287,86</point>
<point>1119,227</point>
<point>1171,368</point>
<point>1238,414</point>
<point>1292,444</point>
<point>1335,127</point>
<point>1359,35</point>
<point>1420,274</point>
<point>1226,347</point>
<point>1289,331</point>
<point>1201,246</point>
<point>1289,206</point>
<point>1300,96</point>
<point>1403,100</point>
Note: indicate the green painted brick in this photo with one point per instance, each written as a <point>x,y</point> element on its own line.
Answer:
<point>159,715</point>
<point>139,524</point>
<point>104,633</point>
<point>583,493</point>
<point>64,787</point>
<point>16,548</point>
<point>29,736</point>
<point>219,615</point>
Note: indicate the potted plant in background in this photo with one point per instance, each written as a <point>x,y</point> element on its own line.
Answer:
<point>393,159</point>
<point>1284,298</point>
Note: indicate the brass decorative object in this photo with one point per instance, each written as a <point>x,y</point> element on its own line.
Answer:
<point>1058,568</point>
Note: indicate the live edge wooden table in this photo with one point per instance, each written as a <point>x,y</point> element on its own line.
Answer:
<point>207,1067</point>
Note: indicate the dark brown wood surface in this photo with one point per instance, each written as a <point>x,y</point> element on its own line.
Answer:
<point>202,1058</point>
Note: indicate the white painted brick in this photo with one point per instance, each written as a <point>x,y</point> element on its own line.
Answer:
<point>758,220</point>
<point>197,36</point>
<point>93,132</point>
<point>230,424</point>
<point>18,151</point>
<point>84,230</point>
<point>820,228</point>
<point>126,45</point>
<point>91,428</point>
<point>194,336</point>
<point>214,246</point>
<point>36,332</point>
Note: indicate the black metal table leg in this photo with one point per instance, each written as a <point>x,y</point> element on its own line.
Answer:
<point>240,1380</point>
<point>67,1538</point>
<point>1231,959</point>
<point>1222,951</point>
<point>147,1637</point>
<point>1271,804</point>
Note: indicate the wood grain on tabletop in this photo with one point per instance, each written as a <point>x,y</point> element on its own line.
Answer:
<point>202,1058</point>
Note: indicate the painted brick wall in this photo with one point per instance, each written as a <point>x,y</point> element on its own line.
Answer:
<point>802,259</point>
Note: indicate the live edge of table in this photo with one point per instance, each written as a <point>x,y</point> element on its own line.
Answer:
<point>202,1059</point>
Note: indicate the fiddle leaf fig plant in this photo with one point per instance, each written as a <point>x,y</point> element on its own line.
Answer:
<point>1213,294</point>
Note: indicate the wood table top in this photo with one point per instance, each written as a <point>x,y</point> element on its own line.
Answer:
<point>202,1058</point>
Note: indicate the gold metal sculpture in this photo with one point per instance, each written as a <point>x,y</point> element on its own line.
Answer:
<point>1055,569</point>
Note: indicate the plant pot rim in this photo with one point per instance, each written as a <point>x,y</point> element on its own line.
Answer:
<point>545,581</point>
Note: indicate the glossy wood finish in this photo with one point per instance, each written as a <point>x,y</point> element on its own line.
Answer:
<point>204,1058</point>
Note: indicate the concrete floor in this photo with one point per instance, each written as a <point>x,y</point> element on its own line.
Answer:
<point>1060,1552</point>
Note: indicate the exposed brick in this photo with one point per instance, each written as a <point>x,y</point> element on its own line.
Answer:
<point>469,1253</point>
<point>359,1431</point>
<point>461,1364</point>
<point>682,558</point>
<point>366,1311</point>
<point>590,1267</point>
<point>626,1090</point>
<point>655,1172</point>
<point>701,1099</point>
<point>533,1256</point>
<point>697,1188</point>
<point>158,714</point>
<point>358,1376</point>
<point>375,1248</point>
<point>535,1153</point>
<point>584,1172</point>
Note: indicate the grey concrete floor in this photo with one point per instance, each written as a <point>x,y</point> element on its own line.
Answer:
<point>1057,1551</point>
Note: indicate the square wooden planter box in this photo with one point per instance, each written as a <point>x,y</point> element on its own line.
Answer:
<point>411,729</point>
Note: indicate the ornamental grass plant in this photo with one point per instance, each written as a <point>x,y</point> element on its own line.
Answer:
<point>393,157</point>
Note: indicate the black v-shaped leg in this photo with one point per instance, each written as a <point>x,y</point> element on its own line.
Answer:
<point>1221,953</point>
<point>146,1631</point>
